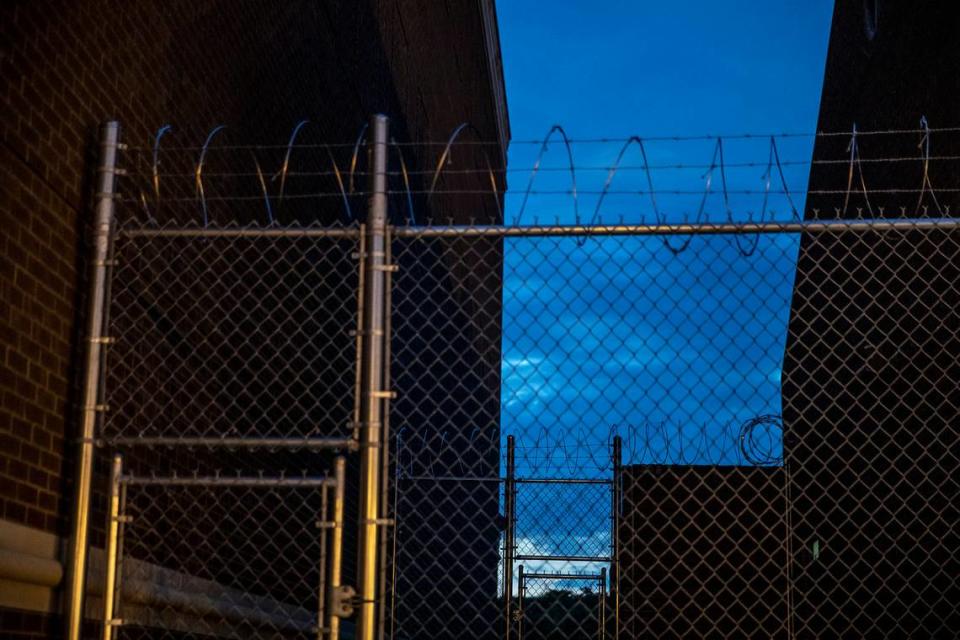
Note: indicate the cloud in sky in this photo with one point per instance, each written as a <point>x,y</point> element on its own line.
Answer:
<point>620,331</point>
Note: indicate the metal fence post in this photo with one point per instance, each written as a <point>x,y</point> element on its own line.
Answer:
<point>324,524</point>
<point>521,592</point>
<point>615,533</point>
<point>113,528</point>
<point>103,237</point>
<point>385,461</point>
<point>602,584</point>
<point>508,544</point>
<point>336,552</point>
<point>372,401</point>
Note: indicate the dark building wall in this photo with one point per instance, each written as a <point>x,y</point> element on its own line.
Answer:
<point>446,429</point>
<point>873,353</point>
<point>702,552</point>
<point>259,67</point>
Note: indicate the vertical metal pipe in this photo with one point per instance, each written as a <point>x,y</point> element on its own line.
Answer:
<point>385,452</point>
<point>521,592</point>
<point>373,391</point>
<point>121,528</point>
<point>324,525</point>
<point>113,524</point>
<point>603,605</point>
<point>336,544</point>
<point>508,544</point>
<point>358,364</point>
<point>103,236</point>
<point>615,532</point>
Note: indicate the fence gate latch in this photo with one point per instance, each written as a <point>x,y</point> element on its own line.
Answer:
<point>341,601</point>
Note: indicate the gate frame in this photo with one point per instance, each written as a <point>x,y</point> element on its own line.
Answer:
<point>328,623</point>
<point>510,555</point>
<point>600,578</point>
<point>92,402</point>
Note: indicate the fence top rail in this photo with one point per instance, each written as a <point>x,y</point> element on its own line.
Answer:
<point>799,226</point>
<point>229,481</point>
<point>665,229</point>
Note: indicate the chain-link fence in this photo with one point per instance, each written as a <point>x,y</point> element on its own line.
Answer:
<point>561,605</point>
<point>224,556</point>
<point>669,430</point>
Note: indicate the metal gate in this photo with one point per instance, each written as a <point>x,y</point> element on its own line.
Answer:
<point>561,605</point>
<point>434,431</point>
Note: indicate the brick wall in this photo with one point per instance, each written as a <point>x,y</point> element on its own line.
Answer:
<point>870,428</point>
<point>257,66</point>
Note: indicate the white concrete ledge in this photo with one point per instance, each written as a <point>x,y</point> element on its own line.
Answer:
<point>152,596</point>
<point>17,566</point>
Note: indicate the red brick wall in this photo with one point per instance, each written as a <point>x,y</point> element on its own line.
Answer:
<point>259,66</point>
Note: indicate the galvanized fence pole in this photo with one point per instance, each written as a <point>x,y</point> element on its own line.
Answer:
<point>385,454</point>
<point>521,592</point>
<point>113,535</point>
<point>372,401</point>
<point>324,524</point>
<point>508,544</point>
<point>602,585</point>
<point>336,545</point>
<point>92,389</point>
<point>615,533</point>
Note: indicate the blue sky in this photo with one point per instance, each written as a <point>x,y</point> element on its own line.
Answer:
<point>672,351</point>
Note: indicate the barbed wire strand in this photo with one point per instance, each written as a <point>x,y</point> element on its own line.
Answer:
<point>854,163</point>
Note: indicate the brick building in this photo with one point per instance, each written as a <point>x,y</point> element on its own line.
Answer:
<point>870,373</point>
<point>259,67</point>
<point>703,552</point>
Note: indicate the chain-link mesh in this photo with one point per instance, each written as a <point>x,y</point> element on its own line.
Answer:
<point>561,520</point>
<point>230,385</point>
<point>222,336</point>
<point>445,368</point>
<point>756,459</point>
<point>221,561</point>
<point>555,606</point>
<point>647,431</point>
<point>873,423</point>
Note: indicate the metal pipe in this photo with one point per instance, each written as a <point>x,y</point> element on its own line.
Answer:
<point>336,545</point>
<point>564,576</point>
<point>806,226</point>
<point>615,532</point>
<point>524,556</point>
<point>243,232</point>
<point>561,481</point>
<point>516,481</point>
<point>121,528</point>
<point>508,548</point>
<point>457,479</point>
<point>322,591</point>
<point>373,392</point>
<point>707,228</point>
<point>113,524</point>
<point>228,481</point>
<point>385,438</point>
<point>103,238</point>
<point>348,444</point>
<point>603,607</point>
<point>358,345</point>
<point>521,592</point>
